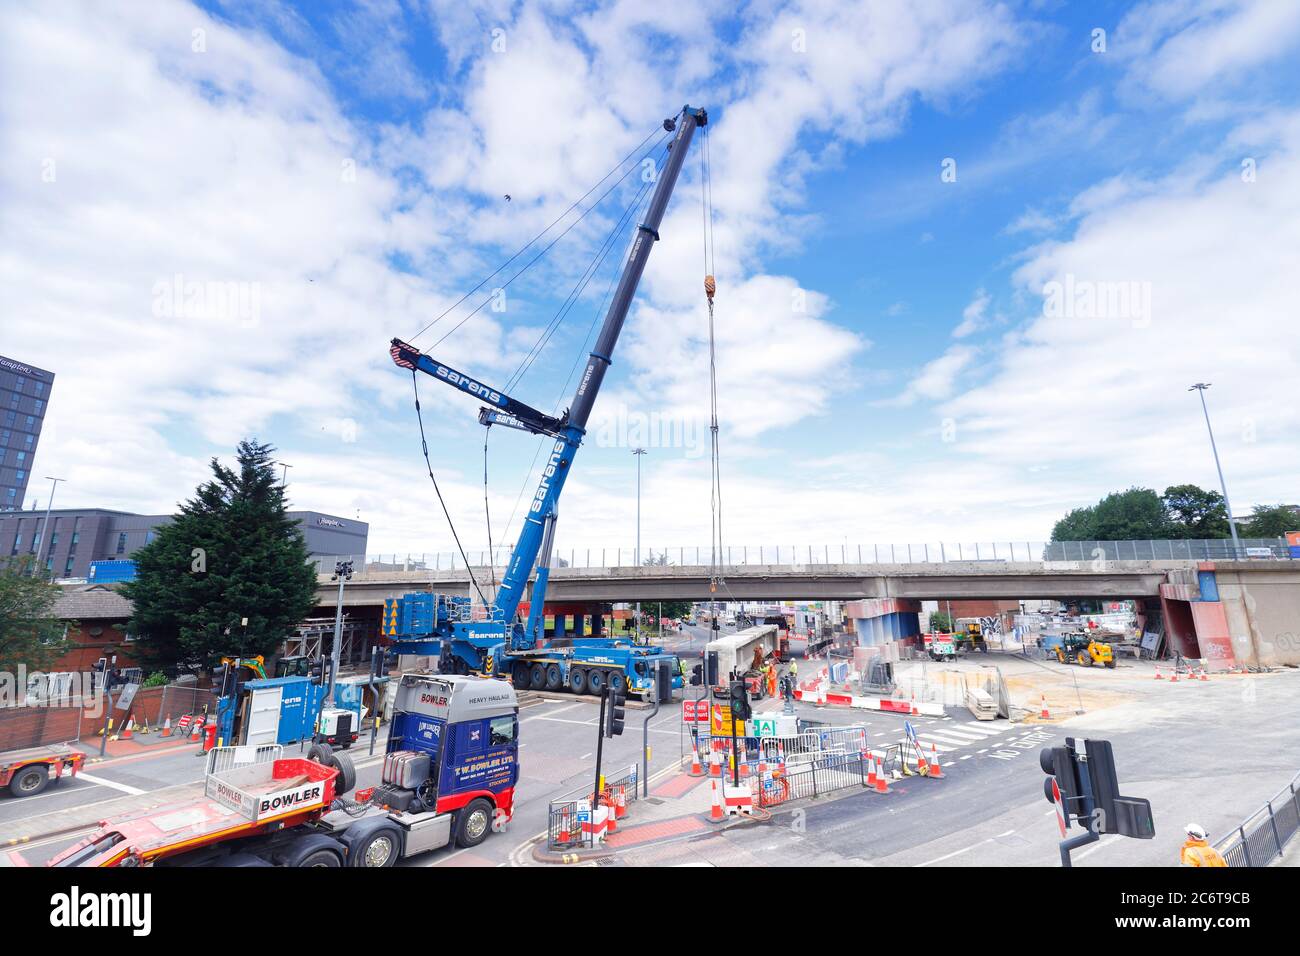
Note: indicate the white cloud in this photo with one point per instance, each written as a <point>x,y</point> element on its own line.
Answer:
<point>1179,48</point>
<point>974,317</point>
<point>939,378</point>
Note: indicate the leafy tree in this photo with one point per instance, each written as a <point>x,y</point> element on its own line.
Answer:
<point>1270,521</point>
<point>29,632</point>
<point>1135,514</point>
<point>941,622</point>
<point>232,552</point>
<point>1195,513</point>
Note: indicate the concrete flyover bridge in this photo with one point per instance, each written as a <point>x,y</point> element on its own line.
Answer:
<point>1216,605</point>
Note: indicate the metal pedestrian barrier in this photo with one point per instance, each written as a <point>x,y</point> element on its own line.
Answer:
<point>1263,836</point>
<point>575,821</point>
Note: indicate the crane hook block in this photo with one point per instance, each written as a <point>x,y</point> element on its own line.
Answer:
<point>710,287</point>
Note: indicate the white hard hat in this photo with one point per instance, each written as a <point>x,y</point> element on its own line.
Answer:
<point>1195,831</point>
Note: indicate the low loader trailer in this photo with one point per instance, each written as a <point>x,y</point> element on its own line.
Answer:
<point>449,775</point>
<point>25,773</point>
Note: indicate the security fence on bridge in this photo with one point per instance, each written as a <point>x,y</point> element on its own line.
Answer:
<point>790,555</point>
<point>1264,835</point>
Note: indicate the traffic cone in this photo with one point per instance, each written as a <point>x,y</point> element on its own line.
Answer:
<point>611,818</point>
<point>922,766</point>
<point>882,784</point>
<point>715,764</point>
<point>871,769</point>
<point>1044,714</point>
<point>167,726</point>
<point>1158,677</point>
<point>696,770</point>
<point>936,771</point>
<point>744,761</point>
<point>620,802</point>
<point>715,812</point>
<point>196,730</point>
<point>1204,676</point>
<point>125,733</point>
<point>1173,678</point>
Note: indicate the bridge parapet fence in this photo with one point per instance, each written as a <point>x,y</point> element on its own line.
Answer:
<point>815,555</point>
<point>1264,835</point>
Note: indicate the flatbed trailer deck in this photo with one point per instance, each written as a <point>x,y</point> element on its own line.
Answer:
<point>27,772</point>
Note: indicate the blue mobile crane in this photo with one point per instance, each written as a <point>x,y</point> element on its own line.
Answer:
<point>498,644</point>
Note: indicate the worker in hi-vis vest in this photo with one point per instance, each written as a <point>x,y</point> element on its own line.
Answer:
<point>1197,851</point>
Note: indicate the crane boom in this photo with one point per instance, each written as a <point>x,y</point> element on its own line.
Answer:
<point>568,430</point>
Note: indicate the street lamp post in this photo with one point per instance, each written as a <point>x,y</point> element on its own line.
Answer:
<point>638,452</point>
<point>342,574</point>
<point>284,472</point>
<point>45,525</point>
<point>1223,485</point>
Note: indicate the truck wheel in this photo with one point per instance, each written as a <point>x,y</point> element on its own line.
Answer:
<point>379,849</point>
<point>347,778</point>
<point>319,858</point>
<point>1110,664</point>
<point>554,677</point>
<point>595,681</point>
<point>578,680</point>
<point>321,753</point>
<point>1084,660</point>
<point>537,677</point>
<point>474,824</point>
<point>519,675</point>
<point>30,781</point>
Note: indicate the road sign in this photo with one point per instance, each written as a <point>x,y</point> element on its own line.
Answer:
<point>720,724</point>
<point>695,711</point>
<point>764,726</point>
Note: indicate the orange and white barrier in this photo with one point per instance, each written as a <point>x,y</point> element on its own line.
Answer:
<point>737,800</point>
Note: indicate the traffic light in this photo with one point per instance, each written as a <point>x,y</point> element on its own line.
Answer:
<point>615,709</point>
<point>1126,816</point>
<point>739,701</point>
<point>697,675</point>
<point>1061,764</point>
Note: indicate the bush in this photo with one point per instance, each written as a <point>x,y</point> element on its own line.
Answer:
<point>156,679</point>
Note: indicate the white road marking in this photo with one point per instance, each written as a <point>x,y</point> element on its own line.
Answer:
<point>980,731</point>
<point>953,734</point>
<point>967,757</point>
<point>133,791</point>
<point>948,738</point>
<point>925,745</point>
<point>949,856</point>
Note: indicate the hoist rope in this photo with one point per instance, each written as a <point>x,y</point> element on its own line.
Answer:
<point>566,309</point>
<point>576,292</point>
<point>525,246</point>
<point>564,389</point>
<point>487,514</point>
<point>424,445</point>
<point>715,456</point>
<point>533,261</point>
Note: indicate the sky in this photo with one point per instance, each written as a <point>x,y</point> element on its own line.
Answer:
<point>969,255</point>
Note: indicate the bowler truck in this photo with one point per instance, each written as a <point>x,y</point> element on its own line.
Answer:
<point>449,775</point>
